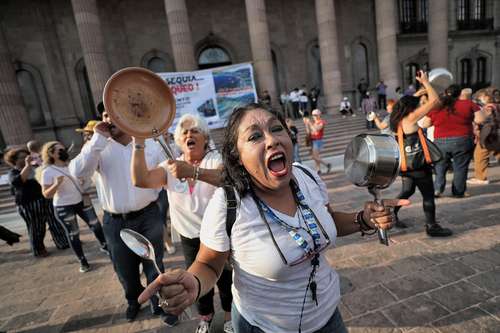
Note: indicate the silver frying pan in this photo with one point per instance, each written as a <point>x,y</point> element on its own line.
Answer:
<point>372,160</point>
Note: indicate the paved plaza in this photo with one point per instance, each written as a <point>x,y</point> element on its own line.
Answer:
<point>417,284</point>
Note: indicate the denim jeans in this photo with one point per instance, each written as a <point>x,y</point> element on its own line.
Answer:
<point>460,150</point>
<point>66,216</point>
<point>241,325</point>
<point>125,262</point>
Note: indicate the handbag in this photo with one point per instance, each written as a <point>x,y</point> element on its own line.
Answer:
<point>416,151</point>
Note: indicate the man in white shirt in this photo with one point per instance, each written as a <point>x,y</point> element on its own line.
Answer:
<point>108,155</point>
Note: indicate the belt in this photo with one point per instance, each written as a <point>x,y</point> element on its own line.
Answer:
<point>133,214</point>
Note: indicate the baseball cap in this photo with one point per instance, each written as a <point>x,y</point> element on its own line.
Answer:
<point>316,112</point>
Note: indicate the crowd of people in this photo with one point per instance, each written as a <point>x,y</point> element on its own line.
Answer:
<point>251,218</point>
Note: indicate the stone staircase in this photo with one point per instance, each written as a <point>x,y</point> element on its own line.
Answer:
<point>338,133</point>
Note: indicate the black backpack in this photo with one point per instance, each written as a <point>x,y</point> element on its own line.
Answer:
<point>232,203</point>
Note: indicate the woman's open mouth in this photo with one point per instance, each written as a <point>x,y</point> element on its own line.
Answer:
<point>276,164</point>
<point>190,143</point>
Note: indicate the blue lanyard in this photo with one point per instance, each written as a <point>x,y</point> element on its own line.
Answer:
<point>307,214</point>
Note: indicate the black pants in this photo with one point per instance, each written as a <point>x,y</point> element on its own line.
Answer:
<point>205,304</point>
<point>344,111</point>
<point>125,262</point>
<point>37,214</point>
<point>162,203</point>
<point>423,180</point>
<point>382,101</point>
<point>66,216</point>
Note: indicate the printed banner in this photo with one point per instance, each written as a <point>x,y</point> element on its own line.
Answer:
<point>212,93</point>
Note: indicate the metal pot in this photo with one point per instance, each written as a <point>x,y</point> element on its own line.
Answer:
<point>372,160</point>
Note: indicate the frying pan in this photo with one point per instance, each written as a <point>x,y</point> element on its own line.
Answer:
<point>140,103</point>
<point>440,78</point>
<point>372,160</point>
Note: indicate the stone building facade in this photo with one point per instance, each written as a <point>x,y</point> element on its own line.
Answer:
<point>55,55</point>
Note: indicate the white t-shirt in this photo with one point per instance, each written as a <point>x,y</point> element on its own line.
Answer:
<point>67,193</point>
<point>267,292</point>
<point>187,208</point>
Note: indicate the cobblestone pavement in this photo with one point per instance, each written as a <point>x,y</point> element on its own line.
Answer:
<point>417,284</point>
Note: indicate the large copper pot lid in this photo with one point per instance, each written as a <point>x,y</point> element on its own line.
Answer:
<point>139,102</point>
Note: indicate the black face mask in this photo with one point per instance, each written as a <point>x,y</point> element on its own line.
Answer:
<point>63,155</point>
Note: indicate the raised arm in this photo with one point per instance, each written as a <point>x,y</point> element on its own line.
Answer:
<point>433,102</point>
<point>141,175</point>
<point>85,164</point>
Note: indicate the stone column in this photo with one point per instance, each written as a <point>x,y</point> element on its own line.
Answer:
<point>496,23</point>
<point>388,63</point>
<point>329,53</point>
<point>92,42</point>
<point>14,119</point>
<point>261,48</point>
<point>437,33</point>
<point>180,35</point>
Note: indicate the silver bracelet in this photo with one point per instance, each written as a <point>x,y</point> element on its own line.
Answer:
<point>196,173</point>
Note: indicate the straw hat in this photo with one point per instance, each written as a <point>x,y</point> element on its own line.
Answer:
<point>89,127</point>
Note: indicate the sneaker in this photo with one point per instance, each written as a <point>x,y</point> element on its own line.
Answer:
<point>353,115</point>
<point>203,326</point>
<point>475,181</point>
<point>343,117</point>
<point>435,230</point>
<point>169,319</point>
<point>132,311</point>
<point>438,194</point>
<point>84,266</point>
<point>170,249</point>
<point>104,249</point>
<point>228,327</point>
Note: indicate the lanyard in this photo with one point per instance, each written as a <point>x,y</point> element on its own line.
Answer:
<point>307,214</point>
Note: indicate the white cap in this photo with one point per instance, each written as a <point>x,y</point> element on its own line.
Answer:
<point>316,112</point>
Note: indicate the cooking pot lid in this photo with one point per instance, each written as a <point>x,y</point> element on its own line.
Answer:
<point>139,102</point>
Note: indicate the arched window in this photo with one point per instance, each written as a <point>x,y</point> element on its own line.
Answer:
<point>85,90</point>
<point>466,72</point>
<point>481,70</point>
<point>157,65</point>
<point>360,64</point>
<point>213,56</point>
<point>31,96</point>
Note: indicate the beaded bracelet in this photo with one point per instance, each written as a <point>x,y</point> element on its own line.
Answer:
<point>363,226</point>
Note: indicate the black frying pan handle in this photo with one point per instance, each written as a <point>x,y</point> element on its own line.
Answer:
<point>382,233</point>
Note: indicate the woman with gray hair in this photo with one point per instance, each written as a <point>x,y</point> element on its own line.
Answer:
<point>190,181</point>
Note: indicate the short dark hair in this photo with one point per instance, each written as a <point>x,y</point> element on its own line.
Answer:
<point>11,156</point>
<point>234,174</point>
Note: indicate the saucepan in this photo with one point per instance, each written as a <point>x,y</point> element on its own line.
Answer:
<point>372,161</point>
<point>141,104</point>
